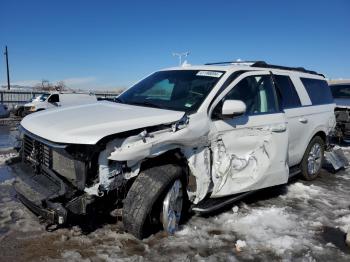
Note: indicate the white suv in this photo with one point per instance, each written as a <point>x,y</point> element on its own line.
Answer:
<point>186,138</point>
<point>54,100</point>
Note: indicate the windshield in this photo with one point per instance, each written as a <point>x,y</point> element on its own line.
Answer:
<point>43,97</point>
<point>180,90</point>
<point>40,98</point>
<point>340,91</point>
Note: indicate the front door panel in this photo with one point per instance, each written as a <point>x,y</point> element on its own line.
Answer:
<point>250,152</point>
<point>249,156</point>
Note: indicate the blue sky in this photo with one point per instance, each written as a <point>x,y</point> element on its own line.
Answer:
<point>109,44</point>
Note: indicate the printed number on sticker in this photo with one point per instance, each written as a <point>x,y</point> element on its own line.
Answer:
<point>209,73</point>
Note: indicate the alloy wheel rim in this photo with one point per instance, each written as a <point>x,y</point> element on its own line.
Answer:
<point>172,207</point>
<point>314,159</point>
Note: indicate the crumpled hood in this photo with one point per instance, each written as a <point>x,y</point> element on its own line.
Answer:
<point>342,102</point>
<point>87,124</point>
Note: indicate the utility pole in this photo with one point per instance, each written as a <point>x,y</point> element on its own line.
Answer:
<point>7,68</point>
<point>180,55</point>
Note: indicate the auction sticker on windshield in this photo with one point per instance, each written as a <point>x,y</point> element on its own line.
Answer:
<point>210,73</point>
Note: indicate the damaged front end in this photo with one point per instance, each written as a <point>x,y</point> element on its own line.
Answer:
<point>61,181</point>
<point>51,178</point>
<point>342,129</point>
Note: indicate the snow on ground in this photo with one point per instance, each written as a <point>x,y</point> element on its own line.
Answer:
<point>12,215</point>
<point>6,156</point>
<point>302,221</point>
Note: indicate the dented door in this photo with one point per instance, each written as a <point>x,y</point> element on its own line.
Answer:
<point>249,152</point>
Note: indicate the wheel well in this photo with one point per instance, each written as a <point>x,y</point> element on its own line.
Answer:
<point>174,156</point>
<point>322,135</point>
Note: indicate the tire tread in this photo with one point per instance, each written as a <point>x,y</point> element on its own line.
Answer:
<point>143,194</point>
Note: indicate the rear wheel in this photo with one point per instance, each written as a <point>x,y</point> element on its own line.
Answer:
<point>313,158</point>
<point>155,201</point>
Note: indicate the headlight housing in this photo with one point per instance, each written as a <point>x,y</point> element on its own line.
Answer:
<point>32,109</point>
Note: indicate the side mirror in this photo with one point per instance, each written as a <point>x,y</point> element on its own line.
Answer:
<point>232,108</point>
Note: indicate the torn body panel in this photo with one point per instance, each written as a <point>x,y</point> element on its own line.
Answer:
<point>250,156</point>
<point>240,167</point>
<point>109,174</point>
<point>200,167</point>
<point>188,136</point>
<point>193,133</point>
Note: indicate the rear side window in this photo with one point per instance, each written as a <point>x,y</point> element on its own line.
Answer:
<point>318,90</point>
<point>289,96</point>
<point>54,98</point>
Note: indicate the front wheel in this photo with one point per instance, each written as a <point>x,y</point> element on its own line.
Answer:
<point>313,158</point>
<point>155,201</point>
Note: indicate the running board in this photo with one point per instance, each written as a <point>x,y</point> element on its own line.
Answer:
<point>293,171</point>
<point>212,204</point>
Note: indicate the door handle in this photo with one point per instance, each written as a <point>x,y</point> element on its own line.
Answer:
<point>303,120</point>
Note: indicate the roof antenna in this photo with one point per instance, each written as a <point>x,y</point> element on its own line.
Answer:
<point>180,55</point>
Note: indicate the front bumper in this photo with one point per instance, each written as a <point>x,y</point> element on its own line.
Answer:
<point>48,196</point>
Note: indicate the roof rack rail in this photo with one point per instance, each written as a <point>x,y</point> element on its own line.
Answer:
<point>263,64</point>
<point>233,62</point>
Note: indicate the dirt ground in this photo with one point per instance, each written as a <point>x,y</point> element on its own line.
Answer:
<point>301,221</point>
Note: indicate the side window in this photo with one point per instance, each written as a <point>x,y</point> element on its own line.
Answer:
<point>161,90</point>
<point>257,92</point>
<point>53,98</point>
<point>288,95</point>
<point>318,90</point>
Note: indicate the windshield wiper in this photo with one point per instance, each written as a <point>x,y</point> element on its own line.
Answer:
<point>145,103</point>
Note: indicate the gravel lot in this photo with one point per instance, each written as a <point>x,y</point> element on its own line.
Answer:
<point>302,221</point>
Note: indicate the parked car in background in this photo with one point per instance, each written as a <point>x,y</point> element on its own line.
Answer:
<point>195,136</point>
<point>19,109</point>
<point>55,100</point>
<point>341,95</point>
<point>4,112</point>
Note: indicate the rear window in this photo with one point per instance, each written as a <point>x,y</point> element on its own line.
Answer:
<point>318,90</point>
<point>288,95</point>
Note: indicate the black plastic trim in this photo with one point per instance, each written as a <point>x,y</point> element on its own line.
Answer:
<point>263,64</point>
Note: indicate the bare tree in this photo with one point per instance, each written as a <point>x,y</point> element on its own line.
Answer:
<point>60,86</point>
<point>45,84</point>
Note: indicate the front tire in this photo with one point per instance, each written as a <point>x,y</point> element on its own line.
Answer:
<point>313,158</point>
<point>149,195</point>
